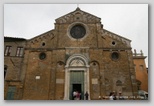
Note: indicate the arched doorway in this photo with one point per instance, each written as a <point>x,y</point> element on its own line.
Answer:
<point>76,76</point>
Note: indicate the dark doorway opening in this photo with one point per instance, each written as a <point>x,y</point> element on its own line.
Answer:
<point>77,88</point>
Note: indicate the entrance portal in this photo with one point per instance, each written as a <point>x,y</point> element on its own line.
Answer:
<point>76,76</point>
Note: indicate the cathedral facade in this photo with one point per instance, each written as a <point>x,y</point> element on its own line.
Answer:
<point>77,55</point>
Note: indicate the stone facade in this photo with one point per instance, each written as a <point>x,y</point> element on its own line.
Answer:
<point>56,63</point>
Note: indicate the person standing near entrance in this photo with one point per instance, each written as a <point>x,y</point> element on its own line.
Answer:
<point>74,94</point>
<point>111,96</point>
<point>77,95</point>
<point>120,96</point>
<point>86,95</point>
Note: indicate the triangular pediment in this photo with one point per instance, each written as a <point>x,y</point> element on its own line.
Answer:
<point>78,16</point>
<point>40,39</point>
<point>115,37</point>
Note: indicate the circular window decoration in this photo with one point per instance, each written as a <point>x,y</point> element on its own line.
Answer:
<point>78,31</point>
<point>42,56</point>
<point>113,43</point>
<point>115,56</point>
<point>43,44</point>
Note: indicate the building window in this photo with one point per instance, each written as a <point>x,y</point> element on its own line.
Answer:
<point>115,56</point>
<point>60,63</point>
<point>118,83</point>
<point>43,44</point>
<point>19,51</point>
<point>113,43</point>
<point>7,51</point>
<point>141,67</point>
<point>42,56</point>
<point>78,31</point>
<point>5,70</point>
<point>94,64</point>
<point>11,92</point>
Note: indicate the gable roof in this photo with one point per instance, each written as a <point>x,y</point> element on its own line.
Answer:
<point>113,34</point>
<point>75,15</point>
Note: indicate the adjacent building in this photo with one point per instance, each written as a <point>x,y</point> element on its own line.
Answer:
<point>141,70</point>
<point>13,62</point>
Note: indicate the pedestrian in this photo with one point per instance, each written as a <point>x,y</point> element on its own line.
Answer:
<point>86,95</point>
<point>74,94</point>
<point>111,96</point>
<point>120,96</point>
<point>77,95</point>
<point>103,97</point>
<point>99,97</point>
<point>114,95</point>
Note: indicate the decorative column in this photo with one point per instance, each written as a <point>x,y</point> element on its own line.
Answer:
<point>66,96</point>
<point>88,88</point>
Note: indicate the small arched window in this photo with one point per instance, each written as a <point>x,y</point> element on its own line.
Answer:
<point>118,83</point>
<point>94,64</point>
<point>60,63</point>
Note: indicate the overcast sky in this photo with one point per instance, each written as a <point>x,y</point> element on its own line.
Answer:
<point>127,20</point>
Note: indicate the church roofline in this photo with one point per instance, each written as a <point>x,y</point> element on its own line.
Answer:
<point>7,39</point>
<point>40,35</point>
<point>139,57</point>
<point>117,35</point>
<point>13,37</point>
<point>77,9</point>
